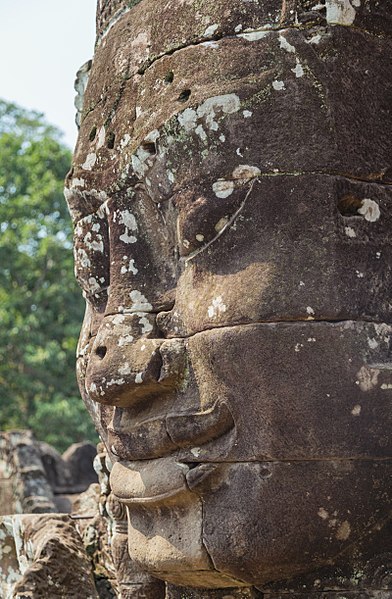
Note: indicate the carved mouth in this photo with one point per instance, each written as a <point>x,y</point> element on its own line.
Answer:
<point>162,436</point>
<point>156,481</point>
<point>171,464</point>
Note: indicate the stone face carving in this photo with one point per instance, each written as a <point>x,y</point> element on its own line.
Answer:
<point>231,198</point>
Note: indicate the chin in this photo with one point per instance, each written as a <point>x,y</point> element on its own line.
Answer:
<point>250,524</point>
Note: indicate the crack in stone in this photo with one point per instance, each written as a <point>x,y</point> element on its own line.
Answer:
<point>292,460</point>
<point>216,38</point>
<point>272,323</point>
<point>208,554</point>
<point>227,225</point>
<point>269,323</point>
<point>276,173</point>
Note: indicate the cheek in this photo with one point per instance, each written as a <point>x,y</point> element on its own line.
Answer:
<point>295,516</point>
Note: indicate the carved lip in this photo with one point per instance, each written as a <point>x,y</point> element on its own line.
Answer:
<point>163,458</point>
<point>156,481</point>
<point>158,437</point>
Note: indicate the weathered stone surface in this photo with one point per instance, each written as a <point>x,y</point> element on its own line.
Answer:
<point>43,556</point>
<point>235,356</point>
<point>189,593</point>
<point>27,489</point>
<point>79,458</point>
<point>35,478</point>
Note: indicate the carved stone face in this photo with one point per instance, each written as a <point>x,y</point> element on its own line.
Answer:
<point>233,241</point>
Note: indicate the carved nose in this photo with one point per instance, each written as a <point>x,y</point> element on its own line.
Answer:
<point>127,366</point>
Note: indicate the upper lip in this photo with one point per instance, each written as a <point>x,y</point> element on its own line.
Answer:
<point>161,436</point>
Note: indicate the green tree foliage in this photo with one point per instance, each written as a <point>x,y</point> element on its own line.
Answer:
<point>40,305</point>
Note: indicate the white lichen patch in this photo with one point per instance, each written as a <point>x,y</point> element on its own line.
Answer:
<point>246,172</point>
<point>129,267</point>
<point>247,114</point>
<point>145,324</point>
<point>201,133</point>
<point>209,111</point>
<point>221,224</point>
<point>118,319</point>
<point>217,307</point>
<point>310,312</point>
<point>298,347</point>
<point>211,30</point>
<point>142,159</point>
<point>278,85</point>
<point>350,232</point>
<point>188,119</point>
<point>125,141</point>
<point>370,210</point>
<point>124,369</point>
<point>200,237</point>
<point>344,531</point>
<point>89,162</point>
<point>139,378</point>
<point>113,382</point>
<point>127,219</point>
<point>139,302</point>
<point>222,188</point>
<point>298,69</point>
<point>367,378</point>
<point>384,331</point>
<point>101,137</point>
<point>315,39</point>
<point>253,36</point>
<point>96,245</point>
<point>195,451</point>
<point>341,12</point>
<point>324,515</point>
<point>285,45</point>
<point>93,286</point>
<point>76,182</point>
<point>82,258</point>
<point>210,44</point>
<point>125,340</point>
<point>356,410</point>
<point>372,343</point>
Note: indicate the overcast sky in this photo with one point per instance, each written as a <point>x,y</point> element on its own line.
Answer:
<point>42,45</point>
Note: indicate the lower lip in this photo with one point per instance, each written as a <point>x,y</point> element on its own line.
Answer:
<point>155,481</point>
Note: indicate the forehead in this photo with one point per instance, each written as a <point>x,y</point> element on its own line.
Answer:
<point>170,94</point>
<point>149,57</point>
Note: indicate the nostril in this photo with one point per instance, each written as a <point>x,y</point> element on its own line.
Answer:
<point>101,351</point>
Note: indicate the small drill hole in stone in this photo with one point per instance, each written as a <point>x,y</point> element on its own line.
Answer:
<point>349,205</point>
<point>110,141</point>
<point>169,77</point>
<point>192,465</point>
<point>93,133</point>
<point>149,146</point>
<point>101,351</point>
<point>184,95</point>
